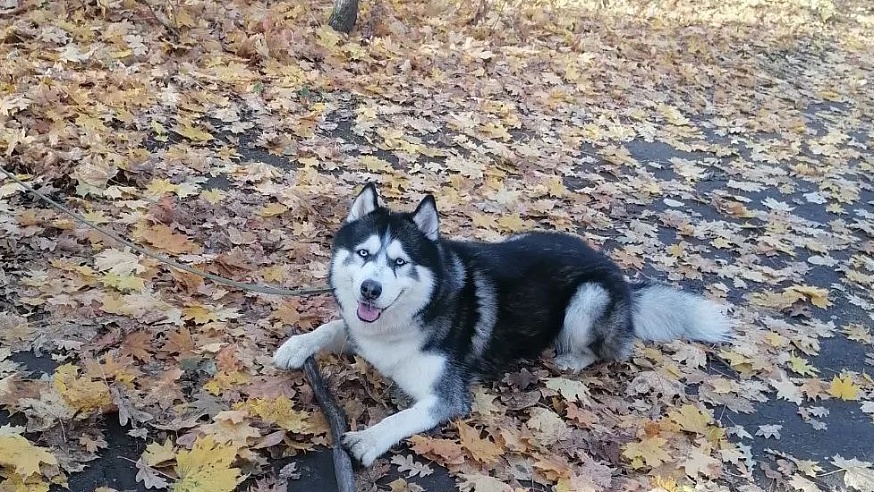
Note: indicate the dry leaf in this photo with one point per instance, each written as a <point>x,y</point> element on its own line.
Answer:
<point>480,449</point>
<point>206,468</point>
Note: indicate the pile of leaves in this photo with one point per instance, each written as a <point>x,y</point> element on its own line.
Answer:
<point>722,146</point>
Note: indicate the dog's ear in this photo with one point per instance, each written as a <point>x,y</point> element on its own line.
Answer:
<point>426,217</point>
<point>367,201</point>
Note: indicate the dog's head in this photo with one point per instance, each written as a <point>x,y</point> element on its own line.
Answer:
<point>385,264</point>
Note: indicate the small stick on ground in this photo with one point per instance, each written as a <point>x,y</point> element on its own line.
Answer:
<point>337,420</point>
<point>161,19</point>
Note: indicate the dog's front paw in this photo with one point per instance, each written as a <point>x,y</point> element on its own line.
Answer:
<point>293,353</point>
<point>364,445</point>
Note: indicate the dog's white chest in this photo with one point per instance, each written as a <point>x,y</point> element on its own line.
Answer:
<point>415,371</point>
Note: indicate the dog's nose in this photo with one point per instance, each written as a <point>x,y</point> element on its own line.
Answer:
<point>370,289</point>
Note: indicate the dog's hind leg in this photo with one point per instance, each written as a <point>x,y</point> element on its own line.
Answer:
<point>330,337</point>
<point>591,326</point>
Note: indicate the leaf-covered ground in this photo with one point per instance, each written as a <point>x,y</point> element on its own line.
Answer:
<point>724,146</point>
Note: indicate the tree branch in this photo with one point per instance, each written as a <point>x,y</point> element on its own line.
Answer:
<point>337,420</point>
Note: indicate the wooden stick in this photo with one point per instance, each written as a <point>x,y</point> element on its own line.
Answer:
<point>337,420</point>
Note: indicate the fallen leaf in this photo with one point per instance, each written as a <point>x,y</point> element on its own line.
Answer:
<point>480,449</point>
<point>482,483</point>
<point>843,388</point>
<point>647,452</point>
<point>857,474</point>
<point>206,468</point>
<point>23,457</point>
<point>406,464</point>
<point>569,389</point>
<point>769,431</point>
<point>547,426</point>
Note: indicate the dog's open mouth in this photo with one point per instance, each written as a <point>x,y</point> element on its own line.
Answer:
<point>368,313</point>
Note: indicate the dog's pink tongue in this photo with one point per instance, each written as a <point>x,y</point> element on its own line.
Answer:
<point>368,313</point>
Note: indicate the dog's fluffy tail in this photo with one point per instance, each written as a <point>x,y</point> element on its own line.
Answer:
<point>661,313</point>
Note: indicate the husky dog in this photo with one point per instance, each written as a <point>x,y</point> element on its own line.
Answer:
<point>434,314</point>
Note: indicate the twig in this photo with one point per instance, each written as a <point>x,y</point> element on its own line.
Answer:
<point>264,289</point>
<point>173,29</point>
<point>337,420</point>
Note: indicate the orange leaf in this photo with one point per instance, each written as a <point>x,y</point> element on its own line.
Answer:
<point>480,449</point>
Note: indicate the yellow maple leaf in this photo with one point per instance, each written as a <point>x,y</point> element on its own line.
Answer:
<point>556,187</point>
<point>843,388</point>
<point>124,283</point>
<point>81,394</point>
<point>571,390</point>
<point>192,133</point>
<point>14,482</point>
<point>547,426</point>
<point>327,37</point>
<point>206,468</point>
<point>213,196</point>
<point>699,462</point>
<point>648,451</point>
<point>226,380</point>
<point>115,304</point>
<point>158,128</point>
<point>483,221</point>
<point>275,273</point>
<point>818,296</point>
<point>691,419</point>
<point>272,210</point>
<point>495,130</point>
<point>182,18</point>
<point>230,427</point>
<point>198,313</point>
<point>858,333</point>
<point>155,453</point>
<point>375,164</point>
<point>161,187</point>
<point>800,366</point>
<point>96,217</point>
<point>278,411</point>
<point>366,112</point>
<point>118,262</point>
<point>677,249</point>
<point>482,483</point>
<point>666,483</point>
<point>308,162</point>
<point>512,223</point>
<point>90,123</point>
<point>18,453</point>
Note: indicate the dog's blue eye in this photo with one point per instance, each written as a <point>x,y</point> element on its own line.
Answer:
<point>363,253</point>
<point>400,262</point>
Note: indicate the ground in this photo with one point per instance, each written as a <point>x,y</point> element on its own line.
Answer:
<point>722,147</point>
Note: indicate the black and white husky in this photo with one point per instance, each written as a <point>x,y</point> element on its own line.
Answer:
<point>434,314</point>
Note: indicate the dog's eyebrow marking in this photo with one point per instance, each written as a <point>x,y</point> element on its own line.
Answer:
<point>345,258</point>
<point>386,238</point>
<point>372,244</point>
<point>394,249</point>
